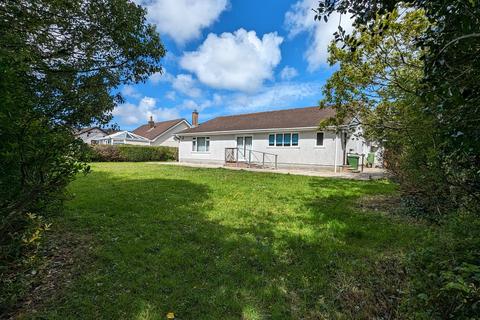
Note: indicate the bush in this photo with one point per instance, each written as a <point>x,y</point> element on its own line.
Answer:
<point>445,274</point>
<point>118,153</point>
<point>19,259</point>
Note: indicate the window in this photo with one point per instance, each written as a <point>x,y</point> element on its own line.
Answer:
<point>271,140</point>
<point>201,144</point>
<point>286,139</point>
<point>295,139</point>
<point>279,140</point>
<point>320,139</point>
<point>283,139</point>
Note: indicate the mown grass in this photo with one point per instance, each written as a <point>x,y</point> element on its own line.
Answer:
<point>221,244</point>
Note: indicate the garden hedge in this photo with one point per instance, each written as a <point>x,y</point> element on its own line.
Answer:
<point>131,153</point>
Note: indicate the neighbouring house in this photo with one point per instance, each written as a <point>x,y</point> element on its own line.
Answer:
<point>91,135</point>
<point>162,133</point>
<point>124,137</point>
<point>150,134</point>
<point>284,138</point>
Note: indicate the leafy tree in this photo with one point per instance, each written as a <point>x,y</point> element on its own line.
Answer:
<point>378,84</point>
<point>432,101</point>
<point>60,64</point>
<point>450,89</point>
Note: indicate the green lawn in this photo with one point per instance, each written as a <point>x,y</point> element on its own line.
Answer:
<point>222,244</point>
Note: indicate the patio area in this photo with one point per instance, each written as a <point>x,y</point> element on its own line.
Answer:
<point>367,174</point>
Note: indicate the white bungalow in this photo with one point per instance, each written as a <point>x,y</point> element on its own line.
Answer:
<point>150,134</point>
<point>284,138</point>
<point>90,135</point>
<point>162,133</point>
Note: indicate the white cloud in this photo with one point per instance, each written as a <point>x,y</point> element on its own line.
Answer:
<point>183,20</point>
<point>193,105</point>
<point>158,77</point>
<point>183,83</point>
<point>300,18</point>
<point>235,61</point>
<point>130,91</point>
<point>186,85</point>
<point>171,95</point>
<point>129,113</point>
<point>288,73</point>
<point>276,96</point>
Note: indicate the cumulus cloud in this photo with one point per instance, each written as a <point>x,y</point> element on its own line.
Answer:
<point>183,20</point>
<point>183,83</point>
<point>200,106</point>
<point>276,96</point>
<point>129,113</point>
<point>235,61</point>
<point>130,91</point>
<point>300,18</point>
<point>171,95</point>
<point>163,76</point>
<point>186,85</point>
<point>288,73</point>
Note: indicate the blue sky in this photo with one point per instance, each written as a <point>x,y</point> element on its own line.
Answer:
<point>229,57</point>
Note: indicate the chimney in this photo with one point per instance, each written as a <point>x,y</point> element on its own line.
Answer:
<point>195,118</point>
<point>151,123</point>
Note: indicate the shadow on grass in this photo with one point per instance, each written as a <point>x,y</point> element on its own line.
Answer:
<point>159,249</point>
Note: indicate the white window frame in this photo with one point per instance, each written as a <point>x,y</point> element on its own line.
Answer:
<point>298,139</point>
<point>290,146</point>
<point>274,141</point>
<point>195,144</point>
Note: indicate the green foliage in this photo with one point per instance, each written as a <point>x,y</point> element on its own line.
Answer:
<point>449,90</point>
<point>132,153</point>
<point>425,110</point>
<point>61,63</point>
<point>452,94</point>
<point>23,244</point>
<point>377,85</point>
<point>446,273</point>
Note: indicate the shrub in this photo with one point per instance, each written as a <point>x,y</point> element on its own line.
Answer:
<point>102,153</point>
<point>118,153</point>
<point>445,274</point>
<point>19,259</point>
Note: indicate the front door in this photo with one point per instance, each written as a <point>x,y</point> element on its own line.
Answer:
<point>244,144</point>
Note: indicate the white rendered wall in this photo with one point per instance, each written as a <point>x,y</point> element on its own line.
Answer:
<point>168,138</point>
<point>305,154</point>
<point>216,154</point>
<point>93,134</point>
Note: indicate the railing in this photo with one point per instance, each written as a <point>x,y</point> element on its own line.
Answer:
<point>250,157</point>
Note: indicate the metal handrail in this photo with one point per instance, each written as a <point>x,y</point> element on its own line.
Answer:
<point>236,151</point>
<point>271,154</point>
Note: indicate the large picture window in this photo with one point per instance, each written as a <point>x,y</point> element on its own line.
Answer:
<point>201,144</point>
<point>283,139</point>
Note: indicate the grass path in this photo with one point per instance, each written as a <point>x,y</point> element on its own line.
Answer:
<point>221,244</point>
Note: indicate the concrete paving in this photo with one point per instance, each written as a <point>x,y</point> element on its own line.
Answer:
<point>367,174</point>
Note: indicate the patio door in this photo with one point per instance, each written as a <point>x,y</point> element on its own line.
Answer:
<point>244,144</point>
